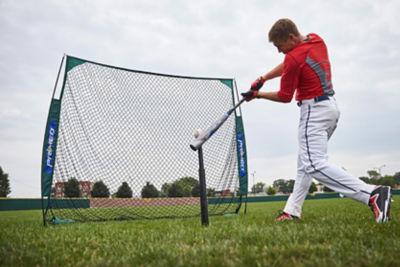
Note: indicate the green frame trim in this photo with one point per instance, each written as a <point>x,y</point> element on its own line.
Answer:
<point>49,147</point>
<point>227,82</point>
<point>51,133</point>
<point>240,144</point>
<point>242,156</point>
<point>75,61</point>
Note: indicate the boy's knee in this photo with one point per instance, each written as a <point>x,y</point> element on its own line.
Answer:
<point>314,166</point>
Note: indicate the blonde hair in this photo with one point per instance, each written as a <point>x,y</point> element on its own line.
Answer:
<point>281,29</point>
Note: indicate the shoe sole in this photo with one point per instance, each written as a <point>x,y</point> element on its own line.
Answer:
<point>384,214</point>
<point>386,211</point>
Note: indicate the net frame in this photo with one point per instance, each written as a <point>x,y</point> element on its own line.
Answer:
<point>56,146</point>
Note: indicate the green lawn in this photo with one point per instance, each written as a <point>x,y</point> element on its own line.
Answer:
<point>338,232</point>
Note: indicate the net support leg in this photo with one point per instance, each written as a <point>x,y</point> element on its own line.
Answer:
<point>43,213</point>
<point>203,190</point>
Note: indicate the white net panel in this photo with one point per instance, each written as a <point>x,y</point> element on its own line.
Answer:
<point>123,140</point>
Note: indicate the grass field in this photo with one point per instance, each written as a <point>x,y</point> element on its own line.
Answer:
<point>333,232</point>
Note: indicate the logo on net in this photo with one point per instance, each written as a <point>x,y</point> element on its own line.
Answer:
<point>242,168</point>
<point>50,147</point>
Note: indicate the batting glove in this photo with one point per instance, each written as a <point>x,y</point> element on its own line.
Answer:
<point>257,84</point>
<point>250,95</point>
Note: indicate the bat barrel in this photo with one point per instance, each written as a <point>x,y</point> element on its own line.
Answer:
<point>193,147</point>
<point>198,142</point>
<point>204,136</point>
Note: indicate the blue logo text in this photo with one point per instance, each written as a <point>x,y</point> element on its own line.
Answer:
<point>50,147</point>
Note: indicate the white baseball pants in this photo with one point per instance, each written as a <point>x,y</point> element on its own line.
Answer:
<point>318,121</point>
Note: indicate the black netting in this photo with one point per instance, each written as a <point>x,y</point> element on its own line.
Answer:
<point>133,128</point>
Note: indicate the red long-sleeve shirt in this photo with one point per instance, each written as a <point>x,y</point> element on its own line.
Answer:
<point>307,69</point>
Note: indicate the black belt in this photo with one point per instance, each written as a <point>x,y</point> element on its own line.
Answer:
<point>316,99</point>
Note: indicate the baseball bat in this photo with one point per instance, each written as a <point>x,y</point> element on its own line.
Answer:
<point>205,135</point>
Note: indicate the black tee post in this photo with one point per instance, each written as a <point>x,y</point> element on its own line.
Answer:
<point>203,190</point>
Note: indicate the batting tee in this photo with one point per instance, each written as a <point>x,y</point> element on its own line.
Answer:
<point>116,145</point>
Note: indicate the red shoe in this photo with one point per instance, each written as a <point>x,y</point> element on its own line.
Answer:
<point>286,216</point>
<point>379,202</point>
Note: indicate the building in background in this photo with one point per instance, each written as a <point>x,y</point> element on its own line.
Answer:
<point>84,186</point>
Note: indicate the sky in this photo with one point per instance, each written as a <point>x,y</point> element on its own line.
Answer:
<point>206,38</point>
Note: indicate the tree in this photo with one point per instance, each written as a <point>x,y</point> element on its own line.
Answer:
<point>258,187</point>
<point>211,192</point>
<point>187,184</point>
<point>183,187</point>
<point>365,179</point>
<point>189,180</point>
<point>164,189</point>
<point>376,179</point>
<point>175,190</point>
<point>124,191</point>
<point>149,191</point>
<point>373,174</point>
<point>4,184</point>
<point>396,178</point>
<point>270,191</point>
<point>285,186</point>
<point>196,190</point>
<point>277,183</point>
<point>100,190</point>
<point>290,185</point>
<point>313,188</point>
<point>72,189</point>
<point>281,184</point>
<point>387,180</point>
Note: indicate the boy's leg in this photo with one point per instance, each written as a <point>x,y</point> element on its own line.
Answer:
<point>300,190</point>
<point>318,123</point>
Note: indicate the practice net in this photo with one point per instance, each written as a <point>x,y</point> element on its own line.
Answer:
<point>116,145</point>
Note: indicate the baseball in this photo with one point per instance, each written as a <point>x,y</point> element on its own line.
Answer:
<point>197,133</point>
